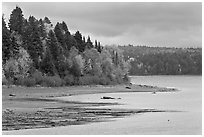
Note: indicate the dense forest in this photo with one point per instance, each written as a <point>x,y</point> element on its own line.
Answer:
<point>35,52</point>
<point>163,61</point>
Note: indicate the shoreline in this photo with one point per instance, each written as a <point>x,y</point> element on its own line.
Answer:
<point>37,107</point>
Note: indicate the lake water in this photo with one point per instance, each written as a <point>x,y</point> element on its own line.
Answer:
<point>188,101</point>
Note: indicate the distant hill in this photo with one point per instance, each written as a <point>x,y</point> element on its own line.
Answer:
<point>163,61</point>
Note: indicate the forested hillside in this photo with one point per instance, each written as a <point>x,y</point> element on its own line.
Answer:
<point>35,52</point>
<point>163,61</point>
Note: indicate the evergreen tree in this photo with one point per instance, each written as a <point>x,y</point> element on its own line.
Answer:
<point>14,50</point>
<point>33,42</point>
<point>60,36</point>
<point>16,20</point>
<point>53,45</point>
<point>67,36</point>
<point>96,44</point>
<point>78,38</point>
<point>89,44</point>
<point>42,30</point>
<point>47,20</point>
<point>6,42</point>
<point>47,65</point>
<point>84,39</point>
<point>99,48</point>
<point>65,28</point>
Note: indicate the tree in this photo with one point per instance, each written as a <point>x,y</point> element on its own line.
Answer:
<point>16,20</point>
<point>75,62</point>
<point>33,43</point>
<point>53,45</point>
<point>67,36</point>
<point>89,44</point>
<point>84,39</point>
<point>78,65</point>
<point>99,48</point>
<point>11,69</point>
<point>78,38</point>
<point>6,42</point>
<point>106,63</point>
<point>92,62</point>
<point>96,44</point>
<point>59,35</point>
<point>42,30</point>
<point>24,62</point>
<point>47,24</point>
<point>18,66</point>
<point>65,28</point>
<point>47,65</point>
<point>47,20</point>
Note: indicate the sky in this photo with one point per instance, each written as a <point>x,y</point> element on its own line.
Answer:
<point>152,24</point>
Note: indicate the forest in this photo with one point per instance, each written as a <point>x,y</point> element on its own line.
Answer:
<point>35,52</point>
<point>162,60</point>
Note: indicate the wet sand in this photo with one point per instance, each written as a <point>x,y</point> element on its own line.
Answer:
<point>37,107</point>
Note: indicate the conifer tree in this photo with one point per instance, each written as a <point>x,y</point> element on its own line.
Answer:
<point>47,20</point>
<point>60,36</point>
<point>65,28</point>
<point>6,42</point>
<point>42,29</point>
<point>47,65</point>
<point>96,44</point>
<point>99,48</point>
<point>78,38</point>
<point>89,44</point>
<point>33,41</point>
<point>84,39</point>
<point>53,45</point>
<point>16,20</point>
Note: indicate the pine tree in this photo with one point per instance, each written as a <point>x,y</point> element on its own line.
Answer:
<point>33,41</point>
<point>60,36</point>
<point>47,20</point>
<point>53,45</point>
<point>89,44</point>
<point>99,48</point>
<point>67,36</point>
<point>6,42</point>
<point>47,65</point>
<point>78,38</point>
<point>96,44</point>
<point>65,28</point>
<point>42,30</point>
<point>16,20</point>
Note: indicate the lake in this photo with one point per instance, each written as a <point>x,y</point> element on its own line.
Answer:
<point>187,101</point>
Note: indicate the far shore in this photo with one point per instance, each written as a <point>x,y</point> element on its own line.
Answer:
<point>38,107</point>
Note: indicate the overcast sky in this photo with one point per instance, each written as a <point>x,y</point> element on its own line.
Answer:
<point>151,24</point>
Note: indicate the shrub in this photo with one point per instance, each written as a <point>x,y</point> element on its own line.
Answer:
<point>25,81</point>
<point>126,79</point>
<point>37,75</point>
<point>89,80</point>
<point>29,82</point>
<point>52,81</point>
<point>4,81</point>
<point>69,80</point>
<point>104,80</point>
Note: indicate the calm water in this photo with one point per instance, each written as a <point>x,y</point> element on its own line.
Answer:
<point>188,101</point>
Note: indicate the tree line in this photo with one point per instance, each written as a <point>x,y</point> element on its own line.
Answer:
<point>36,52</point>
<point>163,61</point>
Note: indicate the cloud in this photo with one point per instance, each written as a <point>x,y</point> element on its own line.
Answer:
<point>161,24</point>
